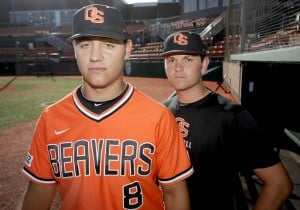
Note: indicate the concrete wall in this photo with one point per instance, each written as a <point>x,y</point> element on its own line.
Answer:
<point>232,74</point>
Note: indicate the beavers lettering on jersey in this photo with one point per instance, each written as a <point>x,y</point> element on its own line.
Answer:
<point>108,157</point>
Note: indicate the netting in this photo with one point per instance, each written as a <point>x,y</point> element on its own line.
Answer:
<point>262,25</point>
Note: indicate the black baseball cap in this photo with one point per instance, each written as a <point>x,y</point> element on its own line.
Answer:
<point>98,20</point>
<point>184,42</point>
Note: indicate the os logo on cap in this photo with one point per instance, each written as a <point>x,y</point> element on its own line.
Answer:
<point>180,39</point>
<point>98,20</point>
<point>94,15</point>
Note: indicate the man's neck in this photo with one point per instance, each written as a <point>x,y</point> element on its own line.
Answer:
<point>192,94</point>
<point>102,94</point>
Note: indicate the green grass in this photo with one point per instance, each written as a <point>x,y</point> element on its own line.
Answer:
<point>23,98</point>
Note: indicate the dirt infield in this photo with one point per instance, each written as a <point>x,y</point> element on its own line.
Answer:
<point>14,143</point>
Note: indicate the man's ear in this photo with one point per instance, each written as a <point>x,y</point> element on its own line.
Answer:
<point>73,45</point>
<point>205,63</point>
<point>128,48</point>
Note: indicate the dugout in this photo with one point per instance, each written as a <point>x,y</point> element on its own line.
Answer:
<point>46,69</point>
<point>145,68</point>
<point>155,68</point>
<point>270,92</point>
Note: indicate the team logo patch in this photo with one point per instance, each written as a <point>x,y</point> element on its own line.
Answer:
<point>94,15</point>
<point>180,39</point>
<point>29,159</point>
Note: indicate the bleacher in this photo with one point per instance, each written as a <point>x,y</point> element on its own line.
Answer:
<point>151,50</point>
<point>148,50</point>
<point>26,43</point>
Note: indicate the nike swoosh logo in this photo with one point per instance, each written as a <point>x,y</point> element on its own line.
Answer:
<point>56,132</point>
<point>98,104</point>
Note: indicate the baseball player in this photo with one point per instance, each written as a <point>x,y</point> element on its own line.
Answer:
<point>222,138</point>
<point>106,145</point>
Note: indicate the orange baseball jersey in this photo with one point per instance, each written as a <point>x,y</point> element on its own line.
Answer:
<point>111,160</point>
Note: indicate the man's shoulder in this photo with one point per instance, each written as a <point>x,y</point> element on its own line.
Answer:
<point>227,104</point>
<point>62,101</point>
<point>171,101</point>
<point>147,102</point>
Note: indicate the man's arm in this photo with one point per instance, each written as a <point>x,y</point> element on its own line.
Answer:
<point>38,197</point>
<point>277,186</point>
<point>176,197</point>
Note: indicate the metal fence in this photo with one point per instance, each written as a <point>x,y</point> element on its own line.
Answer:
<point>259,25</point>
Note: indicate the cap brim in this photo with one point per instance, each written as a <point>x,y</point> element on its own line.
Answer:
<point>111,35</point>
<point>182,51</point>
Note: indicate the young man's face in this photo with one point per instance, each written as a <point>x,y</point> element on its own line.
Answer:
<point>183,70</point>
<point>100,60</point>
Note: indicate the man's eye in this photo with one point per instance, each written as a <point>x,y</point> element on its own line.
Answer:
<point>188,60</point>
<point>84,45</point>
<point>109,45</point>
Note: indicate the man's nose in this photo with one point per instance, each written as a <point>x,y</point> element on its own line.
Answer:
<point>96,53</point>
<point>178,66</point>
